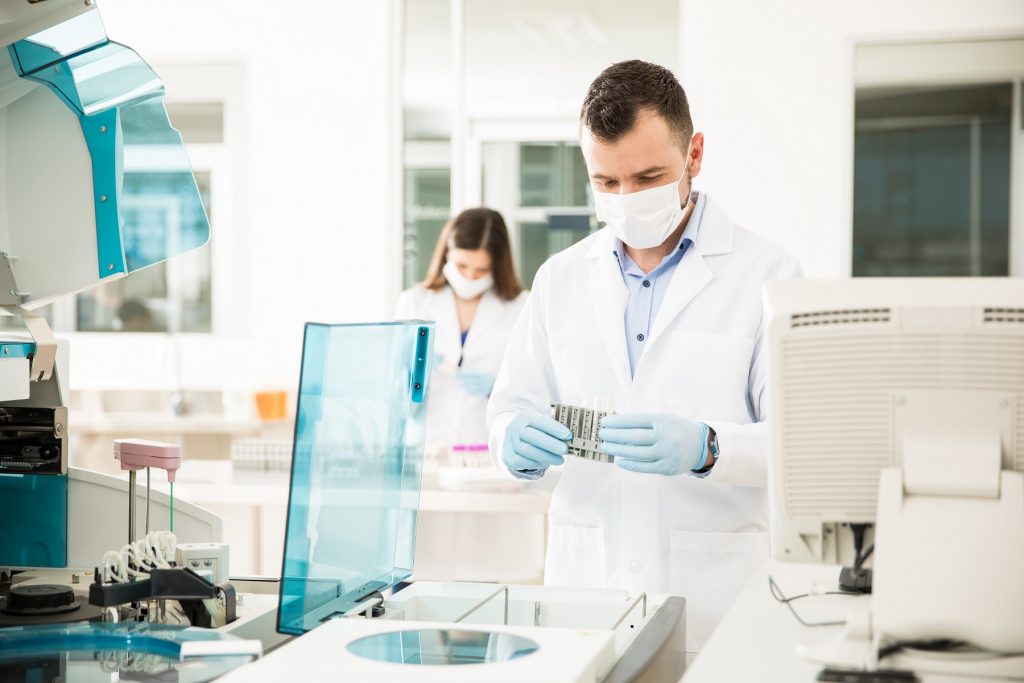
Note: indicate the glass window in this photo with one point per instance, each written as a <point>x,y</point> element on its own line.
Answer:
<point>427,205</point>
<point>538,241</point>
<point>198,122</point>
<point>552,174</point>
<point>543,191</point>
<point>932,181</point>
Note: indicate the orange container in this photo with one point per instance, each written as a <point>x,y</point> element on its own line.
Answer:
<point>272,405</point>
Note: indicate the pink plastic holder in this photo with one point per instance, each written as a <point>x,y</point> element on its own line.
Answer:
<point>138,454</point>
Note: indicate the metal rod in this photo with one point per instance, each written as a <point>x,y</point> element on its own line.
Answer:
<point>536,613</point>
<point>131,506</point>
<point>147,500</point>
<point>632,605</point>
<point>364,606</point>
<point>484,602</point>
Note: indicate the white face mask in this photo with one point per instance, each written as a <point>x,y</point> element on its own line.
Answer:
<point>463,287</point>
<point>642,219</point>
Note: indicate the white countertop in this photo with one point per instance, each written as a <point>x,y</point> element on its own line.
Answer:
<point>163,424</point>
<point>228,486</point>
<point>759,639</point>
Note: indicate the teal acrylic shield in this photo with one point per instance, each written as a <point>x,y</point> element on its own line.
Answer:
<point>356,467</point>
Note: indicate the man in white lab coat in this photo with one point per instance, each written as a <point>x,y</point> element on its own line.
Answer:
<point>659,315</point>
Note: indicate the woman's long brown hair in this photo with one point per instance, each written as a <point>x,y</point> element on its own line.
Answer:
<point>480,228</point>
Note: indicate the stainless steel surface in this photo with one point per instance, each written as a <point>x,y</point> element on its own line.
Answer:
<point>131,506</point>
<point>147,499</point>
<point>484,602</point>
<point>642,597</point>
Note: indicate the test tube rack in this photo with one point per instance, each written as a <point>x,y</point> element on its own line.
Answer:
<point>584,424</point>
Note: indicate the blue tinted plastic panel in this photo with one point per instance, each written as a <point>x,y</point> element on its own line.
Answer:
<point>118,99</point>
<point>442,647</point>
<point>16,349</point>
<point>356,467</point>
<point>33,520</point>
<point>96,79</point>
<point>63,40</point>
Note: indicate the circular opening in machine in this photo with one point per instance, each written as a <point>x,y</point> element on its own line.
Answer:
<point>440,647</point>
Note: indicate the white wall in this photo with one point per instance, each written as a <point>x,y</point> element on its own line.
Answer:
<point>771,85</point>
<point>318,216</point>
<point>318,226</point>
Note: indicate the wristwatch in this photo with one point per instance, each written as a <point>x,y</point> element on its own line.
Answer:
<point>712,446</point>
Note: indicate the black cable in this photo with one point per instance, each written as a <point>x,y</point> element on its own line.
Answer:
<point>940,645</point>
<point>858,542</point>
<point>781,597</point>
<point>937,645</point>
<point>864,557</point>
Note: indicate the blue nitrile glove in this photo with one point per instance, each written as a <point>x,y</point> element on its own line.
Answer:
<point>476,383</point>
<point>533,442</point>
<point>654,443</point>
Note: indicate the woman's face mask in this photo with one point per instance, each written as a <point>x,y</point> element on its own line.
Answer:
<point>463,286</point>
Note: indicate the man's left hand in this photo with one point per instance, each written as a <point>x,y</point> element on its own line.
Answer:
<point>654,443</point>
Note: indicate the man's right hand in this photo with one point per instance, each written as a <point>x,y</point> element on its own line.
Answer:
<point>533,442</point>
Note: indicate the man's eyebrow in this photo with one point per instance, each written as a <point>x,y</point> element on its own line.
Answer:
<point>649,171</point>
<point>646,171</point>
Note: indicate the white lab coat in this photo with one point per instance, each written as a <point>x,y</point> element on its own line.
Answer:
<point>461,545</point>
<point>453,415</point>
<point>704,360</point>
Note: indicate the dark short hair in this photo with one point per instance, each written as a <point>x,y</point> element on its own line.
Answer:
<point>479,228</point>
<point>622,90</point>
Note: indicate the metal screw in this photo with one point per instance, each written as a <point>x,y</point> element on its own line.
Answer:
<point>88,3</point>
<point>417,386</point>
<point>103,129</point>
<point>7,351</point>
<point>58,429</point>
<point>103,197</point>
<point>110,266</point>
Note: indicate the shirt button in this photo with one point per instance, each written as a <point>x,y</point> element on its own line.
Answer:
<point>647,283</point>
<point>640,337</point>
<point>636,566</point>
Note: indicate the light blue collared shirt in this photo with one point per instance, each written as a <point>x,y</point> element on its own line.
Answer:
<point>647,290</point>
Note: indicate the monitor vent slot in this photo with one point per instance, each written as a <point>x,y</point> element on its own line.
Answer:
<point>850,316</point>
<point>1011,316</point>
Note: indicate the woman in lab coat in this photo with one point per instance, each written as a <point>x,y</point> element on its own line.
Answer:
<point>473,293</point>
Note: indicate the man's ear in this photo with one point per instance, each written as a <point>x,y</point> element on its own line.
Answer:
<point>696,156</point>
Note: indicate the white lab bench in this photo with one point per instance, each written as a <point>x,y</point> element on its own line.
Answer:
<point>253,507</point>
<point>758,638</point>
